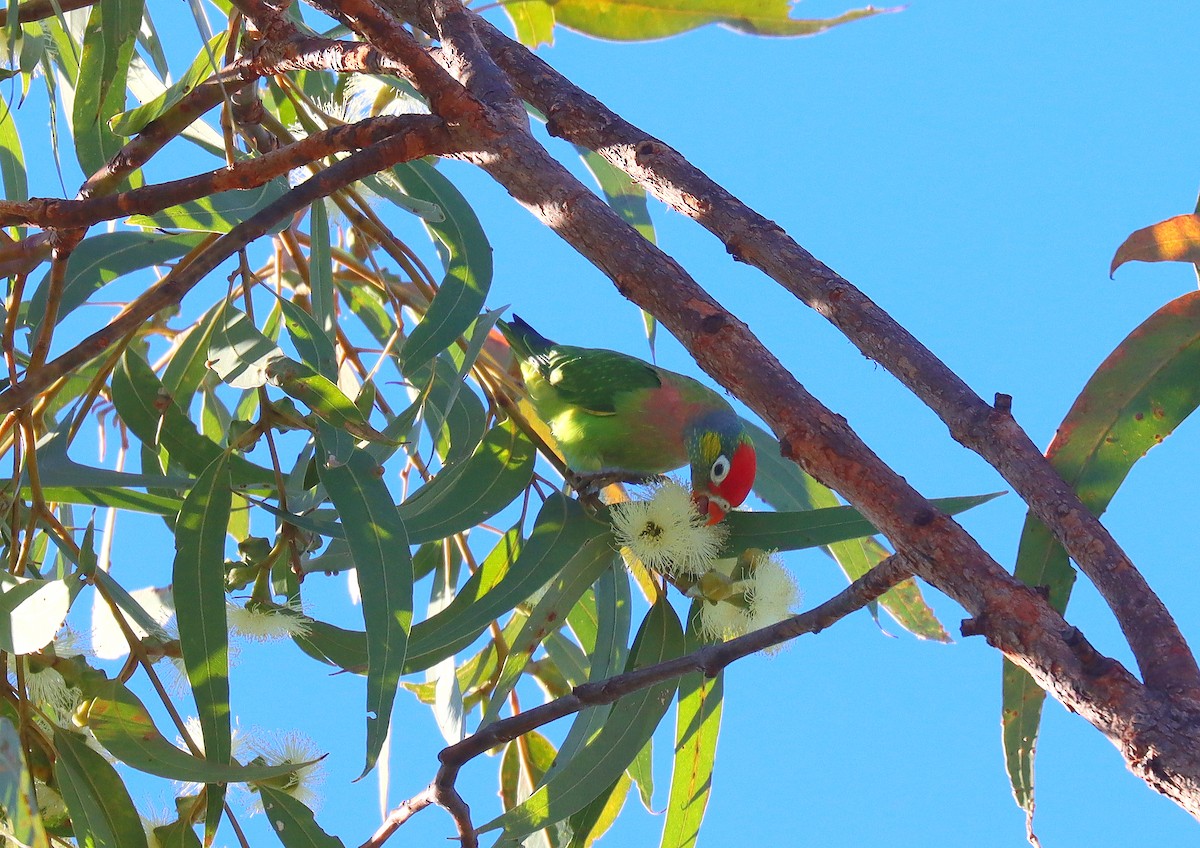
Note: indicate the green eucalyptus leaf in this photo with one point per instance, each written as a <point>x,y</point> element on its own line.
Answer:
<point>467,258</point>
<point>607,658</point>
<point>220,212</point>
<point>152,414</point>
<point>627,198</point>
<point>108,44</point>
<point>379,545</point>
<point>100,259</point>
<point>697,725</point>
<point>606,756</point>
<point>789,531</point>
<point>321,294</point>
<point>16,790</point>
<point>532,20</point>
<point>507,576</point>
<point>293,822</point>
<point>1134,400</point>
<point>314,344</point>
<point>563,592</point>
<point>122,725</point>
<point>198,584</point>
<point>322,396</point>
<point>12,159</point>
<point>782,484</point>
<point>102,813</point>
<point>135,120</point>
<point>32,611</point>
<point>474,489</point>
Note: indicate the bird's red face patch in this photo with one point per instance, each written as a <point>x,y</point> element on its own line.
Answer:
<point>742,467</point>
<point>733,487</point>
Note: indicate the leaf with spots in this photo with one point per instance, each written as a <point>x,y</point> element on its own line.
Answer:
<point>1136,398</point>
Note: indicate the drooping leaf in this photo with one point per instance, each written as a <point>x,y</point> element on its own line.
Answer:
<point>322,396</point>
<point>177,834</point>
<point>293,822</point>
<point>188,365</point>
<point>594,820</point>
<point>239,352</point>
<point>474,489</point>
<point>135,120</point>
<point>505,579</point>
<point>102,813</point>
<point>12,159</point>
<point>454,417</point>
<point>144,405</point>
<point>100,259</point>
<point>607,658</point>
<point>631,723</point>
<point>100,86</point>
<point>217,213</point>
<point>532,20</point>
<point>782,484</point>
<point>636,20</point>
<point>641,771</point>
<point>321,296</point>
<point>1173,240</point>
<point>627,198</point>
<point>563,592</point>
<point>16,790</point>
<point>697,725</point>
<point>379,545</point>
<point>123,726</point>
<point>198,584</point>
<point>466,255</point>
<point>789,531</point>
<point>1134,400</point>
<point>31,612</point>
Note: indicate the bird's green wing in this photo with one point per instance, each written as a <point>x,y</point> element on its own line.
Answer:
<point>595,380</point>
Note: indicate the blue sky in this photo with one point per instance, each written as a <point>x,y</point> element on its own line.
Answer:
<point>972,167</point>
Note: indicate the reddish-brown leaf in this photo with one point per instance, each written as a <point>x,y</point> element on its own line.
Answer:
<point>1173,240</point>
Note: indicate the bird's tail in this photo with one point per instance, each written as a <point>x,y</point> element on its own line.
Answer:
<point>525,341</point>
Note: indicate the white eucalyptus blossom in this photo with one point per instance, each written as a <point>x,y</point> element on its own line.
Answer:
<point>755,591</point>
<point>667,533</point>
<point>261,623</point>
<point>292,747</point>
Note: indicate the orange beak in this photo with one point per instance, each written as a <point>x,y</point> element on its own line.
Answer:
<point>710,506</point>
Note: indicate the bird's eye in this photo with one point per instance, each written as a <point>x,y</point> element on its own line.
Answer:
<point>720,469</point>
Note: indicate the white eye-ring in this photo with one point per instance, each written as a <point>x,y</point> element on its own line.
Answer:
<point>720,469</point>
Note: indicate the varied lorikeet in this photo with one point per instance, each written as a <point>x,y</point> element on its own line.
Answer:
<point>614,414</point>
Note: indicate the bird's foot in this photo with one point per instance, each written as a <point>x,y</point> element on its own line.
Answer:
<point>592,484</point>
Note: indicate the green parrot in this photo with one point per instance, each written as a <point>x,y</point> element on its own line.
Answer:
<point>616,416</point>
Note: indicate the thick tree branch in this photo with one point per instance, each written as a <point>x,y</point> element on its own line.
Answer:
<point>1161,651</point>
<point>249,173</point>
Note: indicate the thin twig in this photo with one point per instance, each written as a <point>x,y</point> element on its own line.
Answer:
<point>709,660</point>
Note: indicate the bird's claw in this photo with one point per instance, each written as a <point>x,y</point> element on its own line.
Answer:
<point>591,484</point>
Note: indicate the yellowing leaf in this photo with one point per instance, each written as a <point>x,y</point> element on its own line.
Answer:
<point>1173,240</point>
<point>633,20</point>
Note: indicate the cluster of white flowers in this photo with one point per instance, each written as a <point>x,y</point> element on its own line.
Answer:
<point>760,593</point>
<point>667,533</point>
